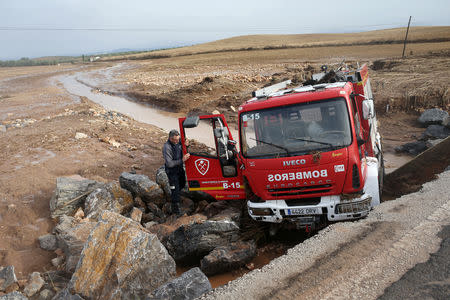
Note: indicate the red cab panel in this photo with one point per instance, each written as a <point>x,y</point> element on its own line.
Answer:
<point>213,165</point>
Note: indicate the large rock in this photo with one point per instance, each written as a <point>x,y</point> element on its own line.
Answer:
<point>121,260</point>
<point>72,235</point>
<point>446,122</point>
<point>413,148</point>
<point>58,279</point>
<point>435,132</point>
<point>13,296</point>
<point>64,294</point>
<point>142,186</point>
<point>48,242</point>
<point>35,283</point>
<point>165,229</point>
<point>46,294</point>
<point>163,181</point>
<point>432,116</point>
<point>108,197</point>
<point>193,241</point>
<point>190,285</point>
<point>226,258</point>
<point>7,278</point>
<point>70,194</point>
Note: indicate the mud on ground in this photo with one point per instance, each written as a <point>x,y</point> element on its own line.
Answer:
<point>39,145</point>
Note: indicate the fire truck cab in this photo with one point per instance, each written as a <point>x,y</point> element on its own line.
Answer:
<point>307,154</point>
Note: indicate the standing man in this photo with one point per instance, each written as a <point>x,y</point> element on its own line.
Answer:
<point>174,158</point>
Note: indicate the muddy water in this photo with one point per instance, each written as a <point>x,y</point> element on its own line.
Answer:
<point>394,161</point>
<point>140,112</point>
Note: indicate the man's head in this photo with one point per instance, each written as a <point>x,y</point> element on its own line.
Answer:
<point>174,136</point>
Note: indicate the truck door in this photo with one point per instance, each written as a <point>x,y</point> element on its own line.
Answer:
<point>213,165</point>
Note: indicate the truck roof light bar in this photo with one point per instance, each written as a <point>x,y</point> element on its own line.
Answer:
<point>265,92</point>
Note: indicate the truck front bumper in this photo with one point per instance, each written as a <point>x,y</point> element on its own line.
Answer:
<point>335,209</point>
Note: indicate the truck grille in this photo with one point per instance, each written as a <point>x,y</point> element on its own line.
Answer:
<point>302,201</point>
<point>302,190</point>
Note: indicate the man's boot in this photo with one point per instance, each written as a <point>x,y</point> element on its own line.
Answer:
<point>176,209</point>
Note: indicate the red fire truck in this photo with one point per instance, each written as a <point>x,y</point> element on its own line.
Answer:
<point>307,154</point>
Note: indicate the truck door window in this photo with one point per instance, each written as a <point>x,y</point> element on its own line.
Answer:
<point>206,149</point>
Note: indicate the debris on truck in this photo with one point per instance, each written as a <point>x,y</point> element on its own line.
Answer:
<point>307,154</point>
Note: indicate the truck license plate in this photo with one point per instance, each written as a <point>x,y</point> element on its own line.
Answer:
<point>303,211</point>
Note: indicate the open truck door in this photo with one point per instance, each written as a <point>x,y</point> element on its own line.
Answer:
<point>213,166</point>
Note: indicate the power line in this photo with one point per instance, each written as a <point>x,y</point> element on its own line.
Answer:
<point>167,29</point>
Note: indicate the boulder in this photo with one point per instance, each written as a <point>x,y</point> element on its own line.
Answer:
<point>432,143</point>
<point>35,283</point>
<point>142,186</point>
<point>48,242</point>
<point>187,205</point>
<point>58,279</point>
<point>46,294</point>
<point>201,205</point>
<point>72,235</point>
<point>156,211</point>
<point>191,242</point>
<point>165,229</point>
<point>229,257</point>
<point>136,215</point>
<point>7,278</point>
<point>70,194</point>
<point>413,148</point>
<point>57,261</point>
<point>163,181</point>
<point>221,210</point>
<point>13,296</point>
<point>436,132</point>
<point>190,285</point>
<point>64,294</point>
<point>446,122</point>
<point>230,214</point>
<point>108,197</point>
<point>121,260</point>
<point>432,116</point>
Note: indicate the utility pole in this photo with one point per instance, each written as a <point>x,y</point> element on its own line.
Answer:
<point>406,37</point>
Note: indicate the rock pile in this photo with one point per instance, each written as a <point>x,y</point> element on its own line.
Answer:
<point>118,240</point>
<point>437,122</point>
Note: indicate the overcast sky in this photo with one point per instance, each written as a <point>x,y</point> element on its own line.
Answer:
<point>37,28</point>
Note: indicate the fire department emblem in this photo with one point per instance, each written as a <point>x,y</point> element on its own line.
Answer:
<point>202,165</point>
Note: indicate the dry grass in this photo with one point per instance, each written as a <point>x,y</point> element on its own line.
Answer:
<point>393,37</point>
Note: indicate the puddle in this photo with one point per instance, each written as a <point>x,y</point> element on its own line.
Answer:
<point>138,111</point>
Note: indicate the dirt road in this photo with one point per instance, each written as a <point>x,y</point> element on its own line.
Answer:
<point>355,260</point>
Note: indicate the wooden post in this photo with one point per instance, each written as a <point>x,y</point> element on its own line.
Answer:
<point>406,37</point>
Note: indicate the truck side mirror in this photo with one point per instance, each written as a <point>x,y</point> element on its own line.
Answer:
<point>367,109</point>
<point>191,122</point>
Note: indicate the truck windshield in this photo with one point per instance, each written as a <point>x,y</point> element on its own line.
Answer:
<point>296,129</point>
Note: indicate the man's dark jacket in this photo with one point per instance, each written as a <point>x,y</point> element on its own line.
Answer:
<point>173,157</point>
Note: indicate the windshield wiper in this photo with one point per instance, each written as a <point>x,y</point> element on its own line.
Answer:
<point>275,145</point>
<point>306,140</point>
